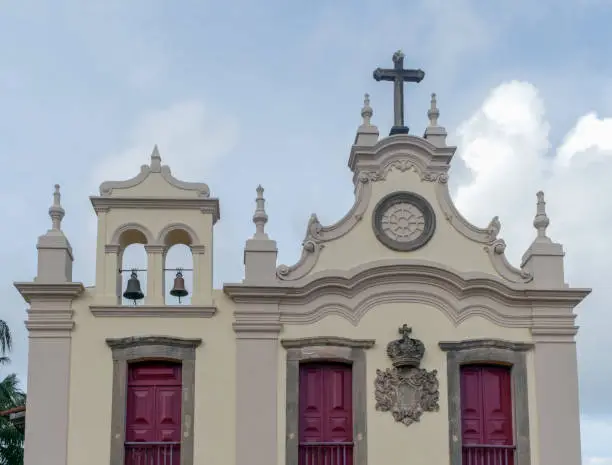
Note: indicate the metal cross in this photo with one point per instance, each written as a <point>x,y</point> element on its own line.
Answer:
<point>398,75</point>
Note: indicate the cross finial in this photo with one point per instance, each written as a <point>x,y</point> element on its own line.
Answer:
<point>405,331</point>
<point>366,111</point>
<point>541,221</point>
<point>56,212</point>
<point>398,75</point>
<point>433,113</point>
<point>260,218</point>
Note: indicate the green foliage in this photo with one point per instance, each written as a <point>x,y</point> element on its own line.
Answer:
<point>11,437</point>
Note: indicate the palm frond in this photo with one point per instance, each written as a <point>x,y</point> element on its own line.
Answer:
<point>6,340</point>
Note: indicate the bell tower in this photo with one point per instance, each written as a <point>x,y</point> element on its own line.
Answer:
<point>159,211</point>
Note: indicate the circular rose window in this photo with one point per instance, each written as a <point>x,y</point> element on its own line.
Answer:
<point>404,221</point>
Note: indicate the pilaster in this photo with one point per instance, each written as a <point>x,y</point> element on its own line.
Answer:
<point>155,294</point>
<point>49,326</point>
<point>202,279</point>
<point>556,371</point>
<point>101,252</point>
<point>110,278</point>
<point>257,330</point>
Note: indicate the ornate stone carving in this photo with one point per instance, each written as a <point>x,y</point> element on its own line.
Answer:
<point>404,221</point>
<point>406,390</point>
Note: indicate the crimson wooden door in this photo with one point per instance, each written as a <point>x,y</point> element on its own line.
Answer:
<point>153,413</point>
<point>486,413</point>
<point>326,414</point>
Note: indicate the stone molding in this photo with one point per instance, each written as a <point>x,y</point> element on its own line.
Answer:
<point>493,351</point>
<point>198,249</point>
<point>155,248</point>
<point>148,311</point>
<point>328,341</point>
<point>154,244</point>
<point>32,291</point>
<point>205,205</point>
<point>161,237</point>
<point>132,349</point>
<point>131,226</point>
<point>333,349</point>
<point>401,152</point>
<point>200,189</point>
<point>351,294</point>
<point>317,234</point>
<point>50,315</point>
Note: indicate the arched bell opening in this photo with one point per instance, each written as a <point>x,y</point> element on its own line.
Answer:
<point>178,267</point>
<point>133,263</point>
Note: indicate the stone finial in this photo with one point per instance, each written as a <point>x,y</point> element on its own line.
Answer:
<point>544,258</point>
<point>366,111</point>
<point>56,212</point>
<point>260,251</point>
<point>435,133</point>
<point>541,221</point>
<point>155,160</point>
<point>54,251</point>
<point>433,113</point>
<point>260,217</point>
<point>367,133</point>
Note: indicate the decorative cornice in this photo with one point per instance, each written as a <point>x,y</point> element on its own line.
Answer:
<point>205,205</point>
<point>368,275</point>
<point>140,341</point>
<point>485,344</point>
<point>317,234</point>
<point>351,294</point>
<point>327,341</point>
<point>153,311</point>
<point>48,291</point>
<point>554,333</point>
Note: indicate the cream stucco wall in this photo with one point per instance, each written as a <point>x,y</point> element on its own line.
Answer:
<point>447,245</point>
<point>388,441</point>
<point>91,380</point>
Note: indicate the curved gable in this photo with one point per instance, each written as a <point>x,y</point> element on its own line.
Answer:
<point>395,168</point>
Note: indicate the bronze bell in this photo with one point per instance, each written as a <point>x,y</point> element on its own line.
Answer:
<point>178,290</point>
<point>132,290</point>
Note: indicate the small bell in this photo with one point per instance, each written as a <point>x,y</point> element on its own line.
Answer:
<point>132,290</point>
<point>178,290</point>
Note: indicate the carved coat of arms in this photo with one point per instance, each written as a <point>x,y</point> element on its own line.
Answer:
<point>406,390</point>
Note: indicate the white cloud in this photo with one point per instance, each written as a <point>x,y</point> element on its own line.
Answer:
<point>503,146</point>
<point>190,137</point>
<point>506,148</point>
<point>597,461</point>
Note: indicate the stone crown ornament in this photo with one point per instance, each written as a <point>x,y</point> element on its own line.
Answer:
<point>405,352</point>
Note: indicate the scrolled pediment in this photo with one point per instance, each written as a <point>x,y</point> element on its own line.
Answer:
<point>108,188</point>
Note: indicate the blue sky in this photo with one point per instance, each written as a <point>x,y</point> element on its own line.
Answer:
<point>241,93</point>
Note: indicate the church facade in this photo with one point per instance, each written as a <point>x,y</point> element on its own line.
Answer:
<point>402,334</point>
